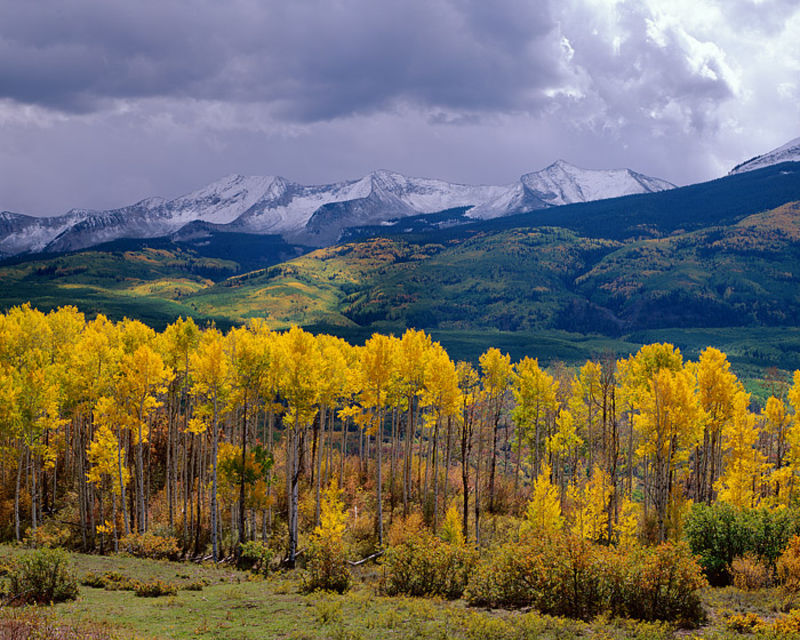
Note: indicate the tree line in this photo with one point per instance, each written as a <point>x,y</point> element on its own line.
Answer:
<point>114,429</point>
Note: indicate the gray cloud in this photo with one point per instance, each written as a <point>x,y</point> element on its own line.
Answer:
<point>311,60</point>
<point>102,103</point>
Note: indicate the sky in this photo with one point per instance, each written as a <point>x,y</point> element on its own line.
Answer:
<point>104,103</point>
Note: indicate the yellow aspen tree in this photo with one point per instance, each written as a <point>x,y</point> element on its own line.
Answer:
<point>744,464</point>
<point>299,386</point>
<point>543,516</point>
<point>590,505</point>
<point>103,456</point>
<point>332,390</point>
<point>442,395</point>
<point>585,405</point>
<point>414,349</point>
<point>563,447</point>
<point>143,378</point>
<point>535,400</point>
<point>793,433</point>
<point>177,343</point>
<point>496,374</point>
<point>777,421</point>
<point>378,362</point>
<point>250,362</point>
<point>212,386</point>
<point>469,385</point>
<point>669,423</point>
<point>717,386</point>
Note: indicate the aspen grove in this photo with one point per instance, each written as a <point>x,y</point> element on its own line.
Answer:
<point>109,431</point>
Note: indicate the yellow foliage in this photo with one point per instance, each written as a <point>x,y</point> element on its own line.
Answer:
<point>745,463</point>
<point>590,506</point>
<point>543,514</point>
<point>451,530</point>
<point>332,516</point>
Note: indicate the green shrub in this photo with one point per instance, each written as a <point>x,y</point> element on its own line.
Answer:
<point>115,581</point>
<point>154,589</point>
<point>326,567</point>
<point>42,576</point>
<point>93,580</point>
<point>425,565</point>
<point>255,556</point>
<point>719,533</point>
<point>148,545</point>
<point>195,585</point>
<point>574,578</point>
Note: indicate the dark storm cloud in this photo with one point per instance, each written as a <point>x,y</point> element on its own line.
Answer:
<point>104,102</point>
<point>311,60</point>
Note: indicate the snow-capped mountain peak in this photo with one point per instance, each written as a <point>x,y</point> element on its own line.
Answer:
<point>789,152</point>
<point>315,214</point>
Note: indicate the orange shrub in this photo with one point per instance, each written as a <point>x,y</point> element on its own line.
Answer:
<point>749,573</point>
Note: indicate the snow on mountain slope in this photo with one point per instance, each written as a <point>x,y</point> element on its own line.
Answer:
<point>313,214</point>
<point>790,152</point>
<point>20,233</point>
<point>562,183</point>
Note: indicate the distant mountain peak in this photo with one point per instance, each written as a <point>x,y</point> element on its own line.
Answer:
<point>315,215</point>
<point>789,152</point>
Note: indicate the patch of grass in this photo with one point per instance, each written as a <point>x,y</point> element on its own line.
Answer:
<point>232,607</point>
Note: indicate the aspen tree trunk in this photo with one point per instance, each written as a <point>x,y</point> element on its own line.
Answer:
<point>379,453</point>
<point>343,451</point>
<point>392,450</point>
<point>435,473</point>
<point>447,460</point>
<point>319,441</point>
<point>34,522</point>
<point>242,514</point>
<point>140,473</point>
<point>121,483</point>
<point>270,443</point>
<point>329,441</point>
<point>466,449</point>
<point>408,455</point>
<point>17,490</point>
<point>294,494</point>
<point>214,443</point>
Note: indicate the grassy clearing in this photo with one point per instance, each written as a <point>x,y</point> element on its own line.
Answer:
<point>236,605</point>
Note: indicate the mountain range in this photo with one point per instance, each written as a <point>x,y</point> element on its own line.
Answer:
<point>314,215</point>
<point>709,263</point>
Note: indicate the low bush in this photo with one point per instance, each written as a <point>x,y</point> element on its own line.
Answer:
<point>749,573</point>
<point>93,580</point>
<point>326,567</point>
<point>425,565</point>
<point>154,589</point>
<point>109,580</point>
<point>34,623</point>
<point>194,585</point>
<point>574,578</point>
<point>148,545</point>
<point>788,567</point>
<point>744,623</point>
<point>665,586</point>
<point>557,576</point>
<point>719,533</point>
<point>42,576</point>
<point>255,556</point>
